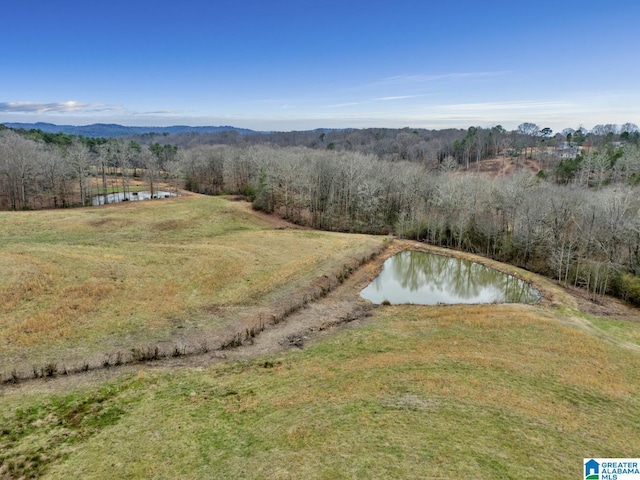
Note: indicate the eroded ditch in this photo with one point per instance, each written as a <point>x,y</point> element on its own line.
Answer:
<point>286,326</point>
<point>332,302</point>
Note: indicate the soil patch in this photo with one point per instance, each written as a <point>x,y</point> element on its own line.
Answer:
<point>606,306</point>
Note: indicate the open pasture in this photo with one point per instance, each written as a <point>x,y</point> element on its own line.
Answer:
<point>90,285</point>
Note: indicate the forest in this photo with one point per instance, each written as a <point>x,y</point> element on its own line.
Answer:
<point>567,206</point>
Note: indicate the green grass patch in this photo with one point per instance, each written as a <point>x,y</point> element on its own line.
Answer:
<point>445,392</point>
<point>118,188</point>
<point>621,330</point>
<point>40,430</point>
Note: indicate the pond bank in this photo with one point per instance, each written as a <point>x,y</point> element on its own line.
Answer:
<point>341,307</point>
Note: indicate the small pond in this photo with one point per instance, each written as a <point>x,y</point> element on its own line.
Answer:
<point>429,279</point>
<point>129,197</point>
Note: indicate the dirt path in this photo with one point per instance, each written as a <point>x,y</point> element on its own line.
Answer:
<point>341,308</point>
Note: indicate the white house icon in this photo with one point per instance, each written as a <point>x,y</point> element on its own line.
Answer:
<point>591,469</point>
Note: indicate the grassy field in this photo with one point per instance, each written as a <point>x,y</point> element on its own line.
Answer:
<point>493,391</point>
<point>98,188</point>
<point>79,284</point>
<point>619,330</point>
<point>501,391</point>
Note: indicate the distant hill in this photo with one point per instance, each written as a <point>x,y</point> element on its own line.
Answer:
<point>114,130</point>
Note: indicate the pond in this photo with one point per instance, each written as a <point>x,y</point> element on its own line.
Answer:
<point>129,197</point>
<point>429,279</point>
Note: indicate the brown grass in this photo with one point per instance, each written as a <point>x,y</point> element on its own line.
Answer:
<point>494,391</point>
<point>82,283</point>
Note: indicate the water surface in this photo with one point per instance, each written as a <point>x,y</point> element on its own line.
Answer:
<point>429,279</point>
<point>129,196</point>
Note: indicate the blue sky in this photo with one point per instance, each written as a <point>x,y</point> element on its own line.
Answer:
<point>295,65</point>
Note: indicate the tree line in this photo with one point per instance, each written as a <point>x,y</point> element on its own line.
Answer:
<point>430,147</point>
<point>579,222</point>
<point>43,170</point>
<point>583,231</point>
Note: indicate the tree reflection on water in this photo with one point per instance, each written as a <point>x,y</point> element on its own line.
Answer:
<point>428,279</point>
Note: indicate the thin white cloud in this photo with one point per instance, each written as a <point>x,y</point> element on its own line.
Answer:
<point>389,107</point>
<point>156,112</point>
<point>341,105</point>
<point>501,106</point>
<point>423,77</point>
<point>372,100</point>
<point>397,97</point>
<point>70,106</point>
<point>420,78</point>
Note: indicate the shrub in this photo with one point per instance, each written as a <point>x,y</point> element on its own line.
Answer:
<point>627,287</point>
<point>49,370</point>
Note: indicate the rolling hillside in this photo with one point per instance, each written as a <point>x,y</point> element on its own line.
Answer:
<point>482,391</point>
